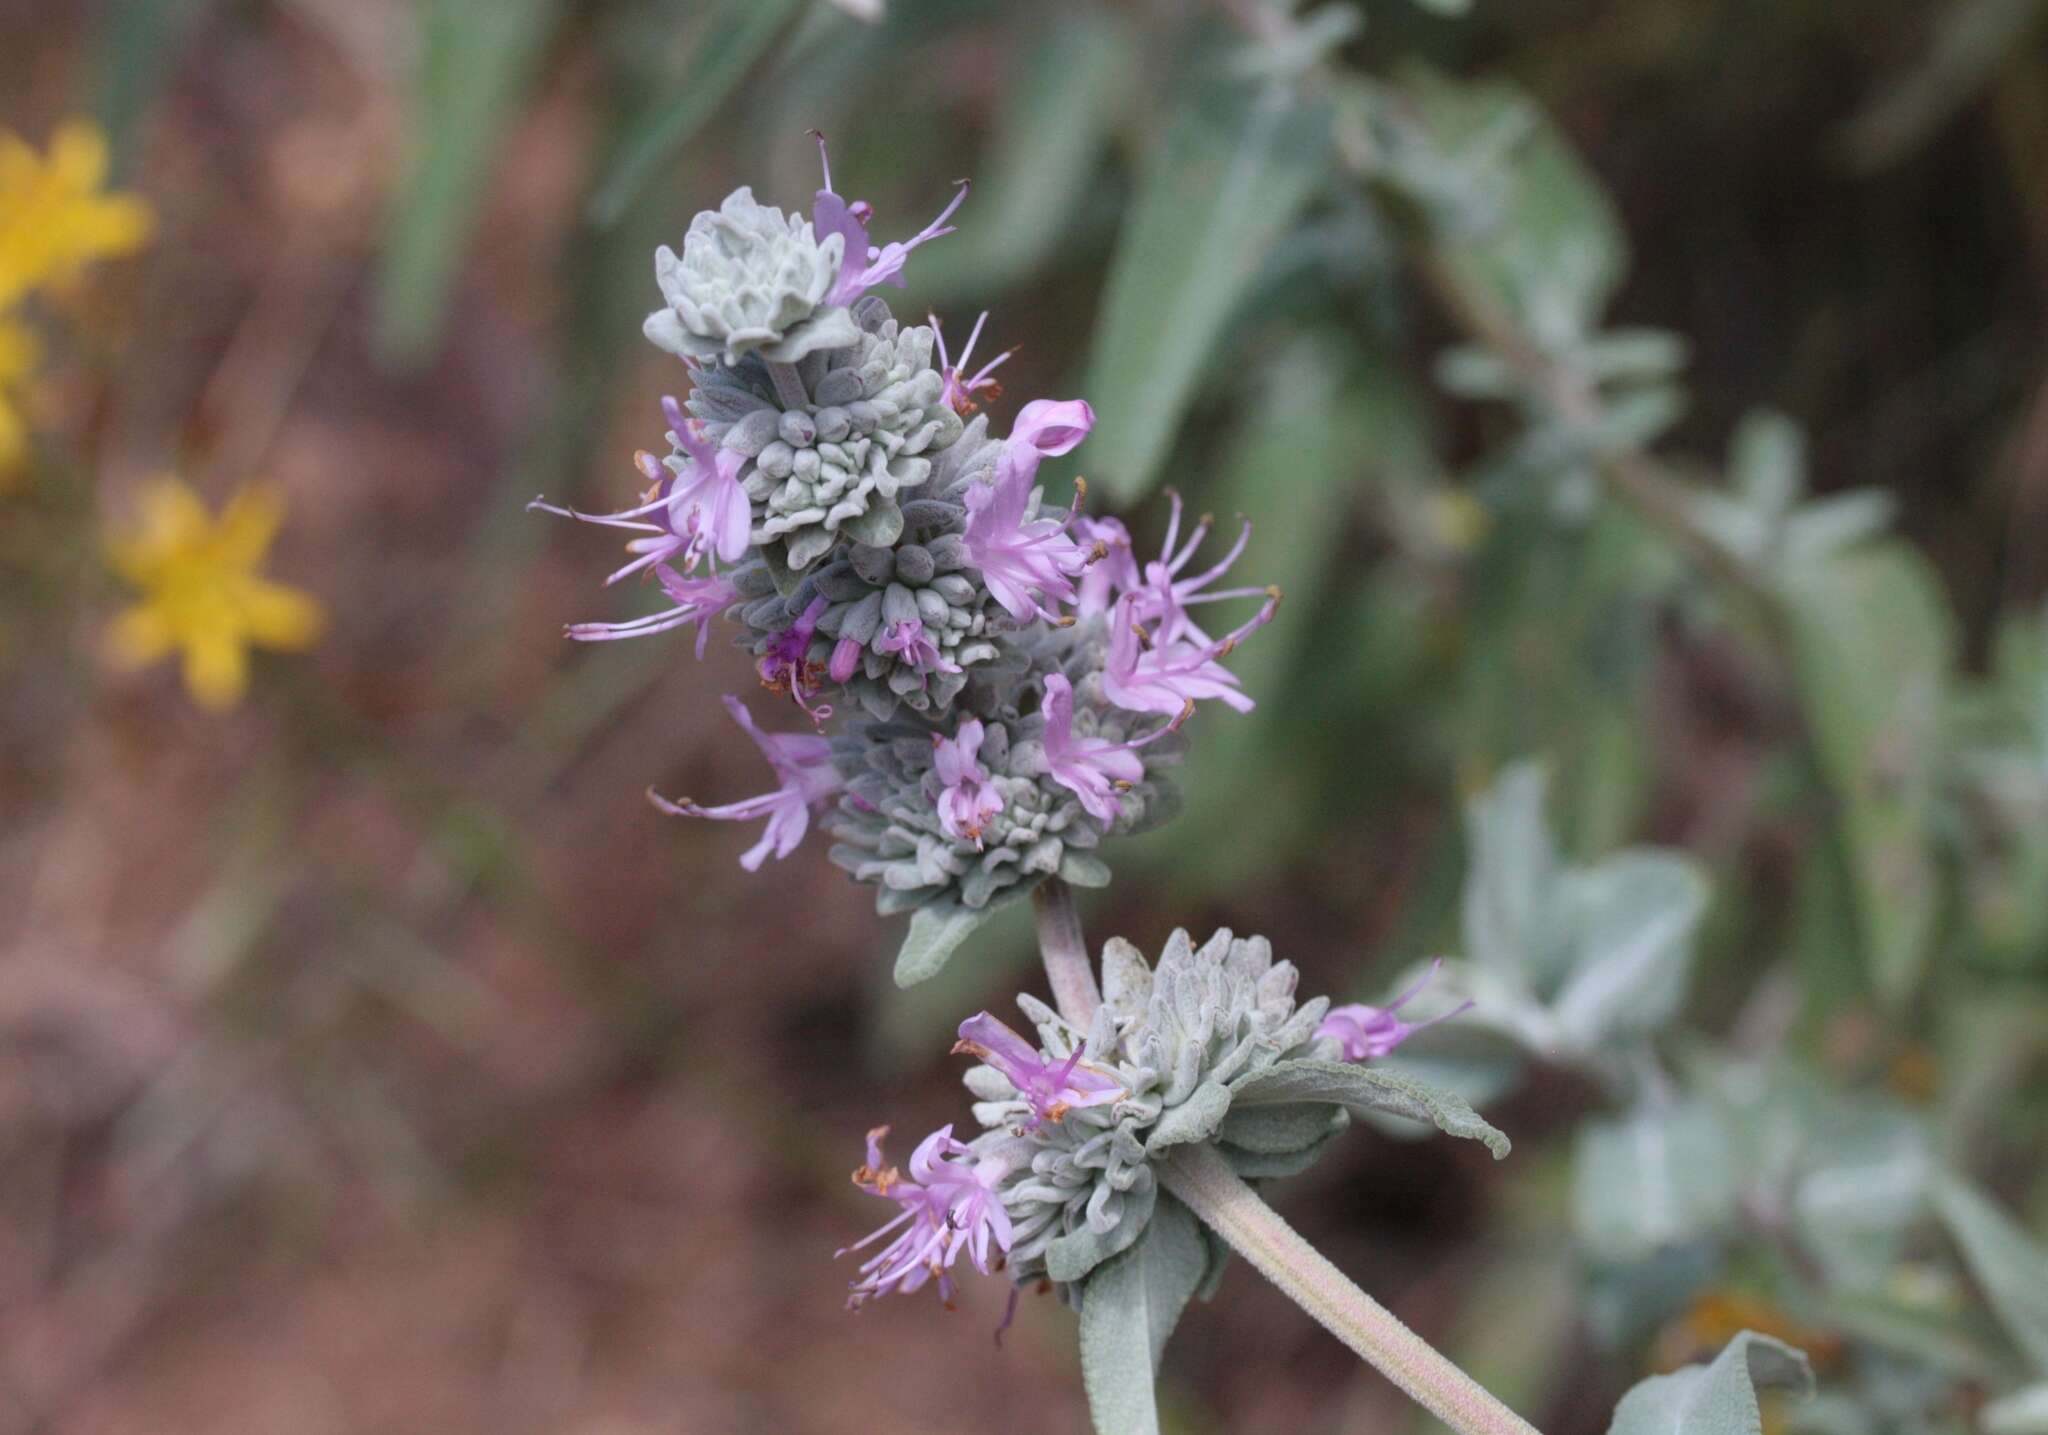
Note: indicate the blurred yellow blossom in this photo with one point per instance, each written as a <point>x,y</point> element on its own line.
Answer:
<point>201,594</point>
<point>53,217</point>
<point>19,353</point>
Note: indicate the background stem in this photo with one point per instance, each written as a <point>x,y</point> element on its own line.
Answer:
<point>1204,1182</point>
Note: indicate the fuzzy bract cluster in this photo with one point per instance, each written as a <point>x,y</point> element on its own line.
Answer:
<point>1209,1045</point>
<point>996,683</point>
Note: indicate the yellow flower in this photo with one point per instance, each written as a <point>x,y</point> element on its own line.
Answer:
<point>19,354</point>
<point>53,218</point>
<point>201,595</point>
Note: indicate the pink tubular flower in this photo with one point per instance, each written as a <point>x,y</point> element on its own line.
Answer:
<point>804,770</point>
<point>913,645</point>
<point>697,600</point>
<point>845,658</point>
<point>949,1206</point>
<point>1027,565</point>
<point>1163,591</point>
<point>1174,664</point>
<point>1052,1087</point>
<point>1112,568</point>
<point>1367,1033</point>
<point>967,799</point>
<point>863,266</point>
<point>786,666</point>
<point>958,393</point>
<point>1094,769</point>
<point>696,504</point>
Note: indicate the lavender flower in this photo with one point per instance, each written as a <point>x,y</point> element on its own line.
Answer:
<point>862,266</point>
<point>787,667</point>
<point>1173,664</point>
<point>1052,1087</point>
<point>1094,769</point>
<point>697,601</point>
<point>909,641</point>
<point>806,777</point>
<point>949,1207</point>
<point>960,391</point>
<point>1027,562</point>
<point>1367,1033</point>
<point>967,799</point>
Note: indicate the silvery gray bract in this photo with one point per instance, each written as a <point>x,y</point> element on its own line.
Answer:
<point>837,464</point>
<point>1177,1037</point>
<point>888,825</point>
<point>750,279</point>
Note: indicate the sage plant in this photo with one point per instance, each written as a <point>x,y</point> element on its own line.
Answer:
<point>985,687</point>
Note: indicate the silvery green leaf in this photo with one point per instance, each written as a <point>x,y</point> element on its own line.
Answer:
<point>1632,920</point>
<point>2009,1264</point>
<point>1633,355</point>
<point>1865,1177</point>
<point>936,930</point>
<point>1072,1256</point>
<point>1083,869</point>
<point>1873,644</point>
<point>1513,869</point>
<point>2024,1412</point>
<point>1638,418</point>
<point>1716,1399</point>
<point>1129,1307</point>
<point>1195,1119</point>
<point>1659,1176</point>
<point>1281,1130</point>
<point>1126,977</point>
<point>1362,1090</point>
<point>1237,161</point>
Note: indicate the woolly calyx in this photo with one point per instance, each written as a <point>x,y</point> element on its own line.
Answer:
<point>750,280</point>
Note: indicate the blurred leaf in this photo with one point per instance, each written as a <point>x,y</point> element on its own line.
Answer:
<point>1569,959</point>
<point>735,35</point>
<point>1972,38</point>
<point>474,62</point>
<point>1716,1399</point>
<point>1765,520</point>
<point>1366,1091</point>
<point>1129,1307</point>
<point>142,41</point>
<point>2010,1265</point>
<point>1865,1169</point>
<point>1236,163</point>
<point>1873,643</point>
<point>1048,141</point>
<point>2024,1412</point>
<point>1545,238</point>
<point>936,931</point>
<point>1661,1175</point>
<point>1312,434</point>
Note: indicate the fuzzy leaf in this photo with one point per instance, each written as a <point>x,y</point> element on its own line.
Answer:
<point>1236,163</point>
<point>1632,919</point>
<point>1514,867</point>
<point>1129,1307</point>
<point>1281,1130</point>
<point>2010,1265</point>
<point>1716,1399</point>
<point>1072,1256</point>
<point>1363,1090</point>
<point>935,931</point>
<point>1195,1119</point>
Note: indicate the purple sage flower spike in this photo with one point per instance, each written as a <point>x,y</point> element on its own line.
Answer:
<point>1029,565</point>
<point>1053,1087</point>
<point>1366,1033</point>
<point>1094,769</point>
<point>806,777</point>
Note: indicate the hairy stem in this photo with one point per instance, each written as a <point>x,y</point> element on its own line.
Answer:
<point>788,387</point>
<point>1067,968</point>
<point>1205,1183</point>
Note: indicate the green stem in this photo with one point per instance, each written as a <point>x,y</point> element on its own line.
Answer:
<point>1204,1182</point>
